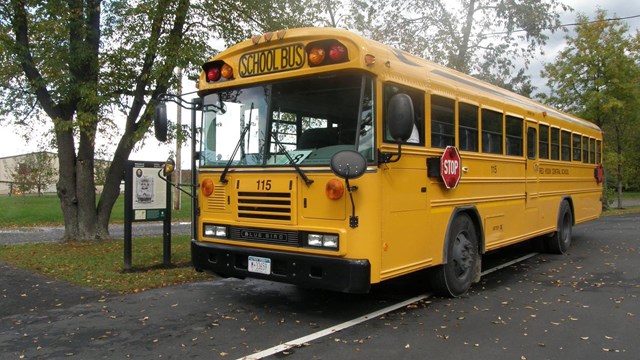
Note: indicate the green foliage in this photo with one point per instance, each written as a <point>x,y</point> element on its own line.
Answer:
<point>597,77</point>
<point>479,37</point>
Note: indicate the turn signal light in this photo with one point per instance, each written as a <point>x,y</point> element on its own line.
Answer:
<point>206,187</point>
<point>326,52</point>
<point>226,71</point>
<point>334,189</point>
<point>217,70</point>
<point>316,56</point>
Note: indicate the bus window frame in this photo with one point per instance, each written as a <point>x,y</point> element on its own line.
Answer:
<point>417,97</point>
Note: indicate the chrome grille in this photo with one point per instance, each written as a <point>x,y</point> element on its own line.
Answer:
<point>266,206</point>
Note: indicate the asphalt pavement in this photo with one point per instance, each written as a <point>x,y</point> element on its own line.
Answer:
<point>576,306</point>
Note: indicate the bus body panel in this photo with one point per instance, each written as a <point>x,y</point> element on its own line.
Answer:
<point>402,211</point>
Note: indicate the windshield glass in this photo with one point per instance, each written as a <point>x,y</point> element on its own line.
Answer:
<point>304,121</point>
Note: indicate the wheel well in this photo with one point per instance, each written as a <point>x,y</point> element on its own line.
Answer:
<point>569,200</point>
<point>474,215</point>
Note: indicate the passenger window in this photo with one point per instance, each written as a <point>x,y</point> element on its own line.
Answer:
<point>531,143</point>
<point>555,144</point>
<point>598,152</point>
<point>585,149</point>
<point>592,151</point>
<point>442,121</point>
<point>468,126</point>
<point>577,151</point>
<point>417,98</point>
<point>491,132</point>
<point>544,142</point>
<point>514,136</point>
<point>565,143</point>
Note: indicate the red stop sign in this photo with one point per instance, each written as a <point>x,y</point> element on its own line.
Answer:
<point>450,167</point>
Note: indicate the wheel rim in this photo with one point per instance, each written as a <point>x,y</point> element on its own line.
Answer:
<point>462,255</point>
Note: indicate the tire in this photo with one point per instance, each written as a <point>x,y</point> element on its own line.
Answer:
<point>454,278</point>
<point>560,241</point>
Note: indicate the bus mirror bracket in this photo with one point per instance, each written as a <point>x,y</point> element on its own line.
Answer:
<point>349,164</point>
<point>400,123</point>
<point>167,169</point>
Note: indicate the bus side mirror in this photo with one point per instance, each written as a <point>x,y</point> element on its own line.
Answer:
<point>160,122</point>
<point>400,117</point>
<point>348,164</point>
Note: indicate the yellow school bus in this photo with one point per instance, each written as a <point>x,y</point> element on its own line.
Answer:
<point>332,161</point>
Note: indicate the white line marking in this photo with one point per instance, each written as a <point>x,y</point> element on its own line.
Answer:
<point>523,258</point>
<point>322,333</point>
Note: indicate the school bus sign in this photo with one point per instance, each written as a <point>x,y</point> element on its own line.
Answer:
<point>450,167</point>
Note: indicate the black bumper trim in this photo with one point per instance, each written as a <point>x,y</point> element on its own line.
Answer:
<point>344,275</point>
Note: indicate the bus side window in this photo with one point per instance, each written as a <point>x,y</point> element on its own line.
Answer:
<point>585,149</point>
<point>491,132</point>
<point>531,143</point>
<point>442,121</point>
<point>417,98</point>
<point>565,144</point>
<point>592,151</point>
<point>514,136</point>
<point>555,144</point>
<point>468,126</point>
<point>544,141</point>
<point>577,151</point>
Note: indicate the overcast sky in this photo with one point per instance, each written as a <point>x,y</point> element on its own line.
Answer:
<point>12,144</point>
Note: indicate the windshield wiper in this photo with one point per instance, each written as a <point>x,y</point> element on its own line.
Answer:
<point>304,177</point>
<point>223,176</point>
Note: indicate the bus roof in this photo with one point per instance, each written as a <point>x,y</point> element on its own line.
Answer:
<point>399,66</point>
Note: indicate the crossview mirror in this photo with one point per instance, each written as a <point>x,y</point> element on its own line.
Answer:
<point>160,122</point>
<point>348,164</point>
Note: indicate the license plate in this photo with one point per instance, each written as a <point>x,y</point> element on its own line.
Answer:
<point>259,265</point>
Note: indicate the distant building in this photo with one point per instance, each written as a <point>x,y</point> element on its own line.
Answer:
<point>9,165</point>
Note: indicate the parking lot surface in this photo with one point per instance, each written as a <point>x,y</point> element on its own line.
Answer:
<point>581,305</point>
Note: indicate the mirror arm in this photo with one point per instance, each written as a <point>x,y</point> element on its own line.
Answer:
<point>353,219</point>
<point>177,186</point>
<point>386,158</point>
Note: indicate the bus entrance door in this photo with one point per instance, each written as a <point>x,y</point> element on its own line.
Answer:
<point>532,178</point>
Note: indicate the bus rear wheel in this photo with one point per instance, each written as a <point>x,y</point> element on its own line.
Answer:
<point>455,277</point>
<point>560,241</point>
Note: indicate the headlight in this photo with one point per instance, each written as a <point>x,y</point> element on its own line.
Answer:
<point>314,240</point>
<point>215,231</point>
<point>330,241</point>
<point>323,241</point>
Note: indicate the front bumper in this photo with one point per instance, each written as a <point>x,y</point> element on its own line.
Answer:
<point>344,275</point>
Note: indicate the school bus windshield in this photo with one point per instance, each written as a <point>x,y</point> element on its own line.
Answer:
<point>303,121</point>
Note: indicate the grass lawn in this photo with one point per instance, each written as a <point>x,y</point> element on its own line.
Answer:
<point>96,265</point>
<point>99,265</point>
<point>33,210</point>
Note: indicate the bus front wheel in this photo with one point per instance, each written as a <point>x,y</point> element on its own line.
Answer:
<point>560,241</point>
<point>454,278</point>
